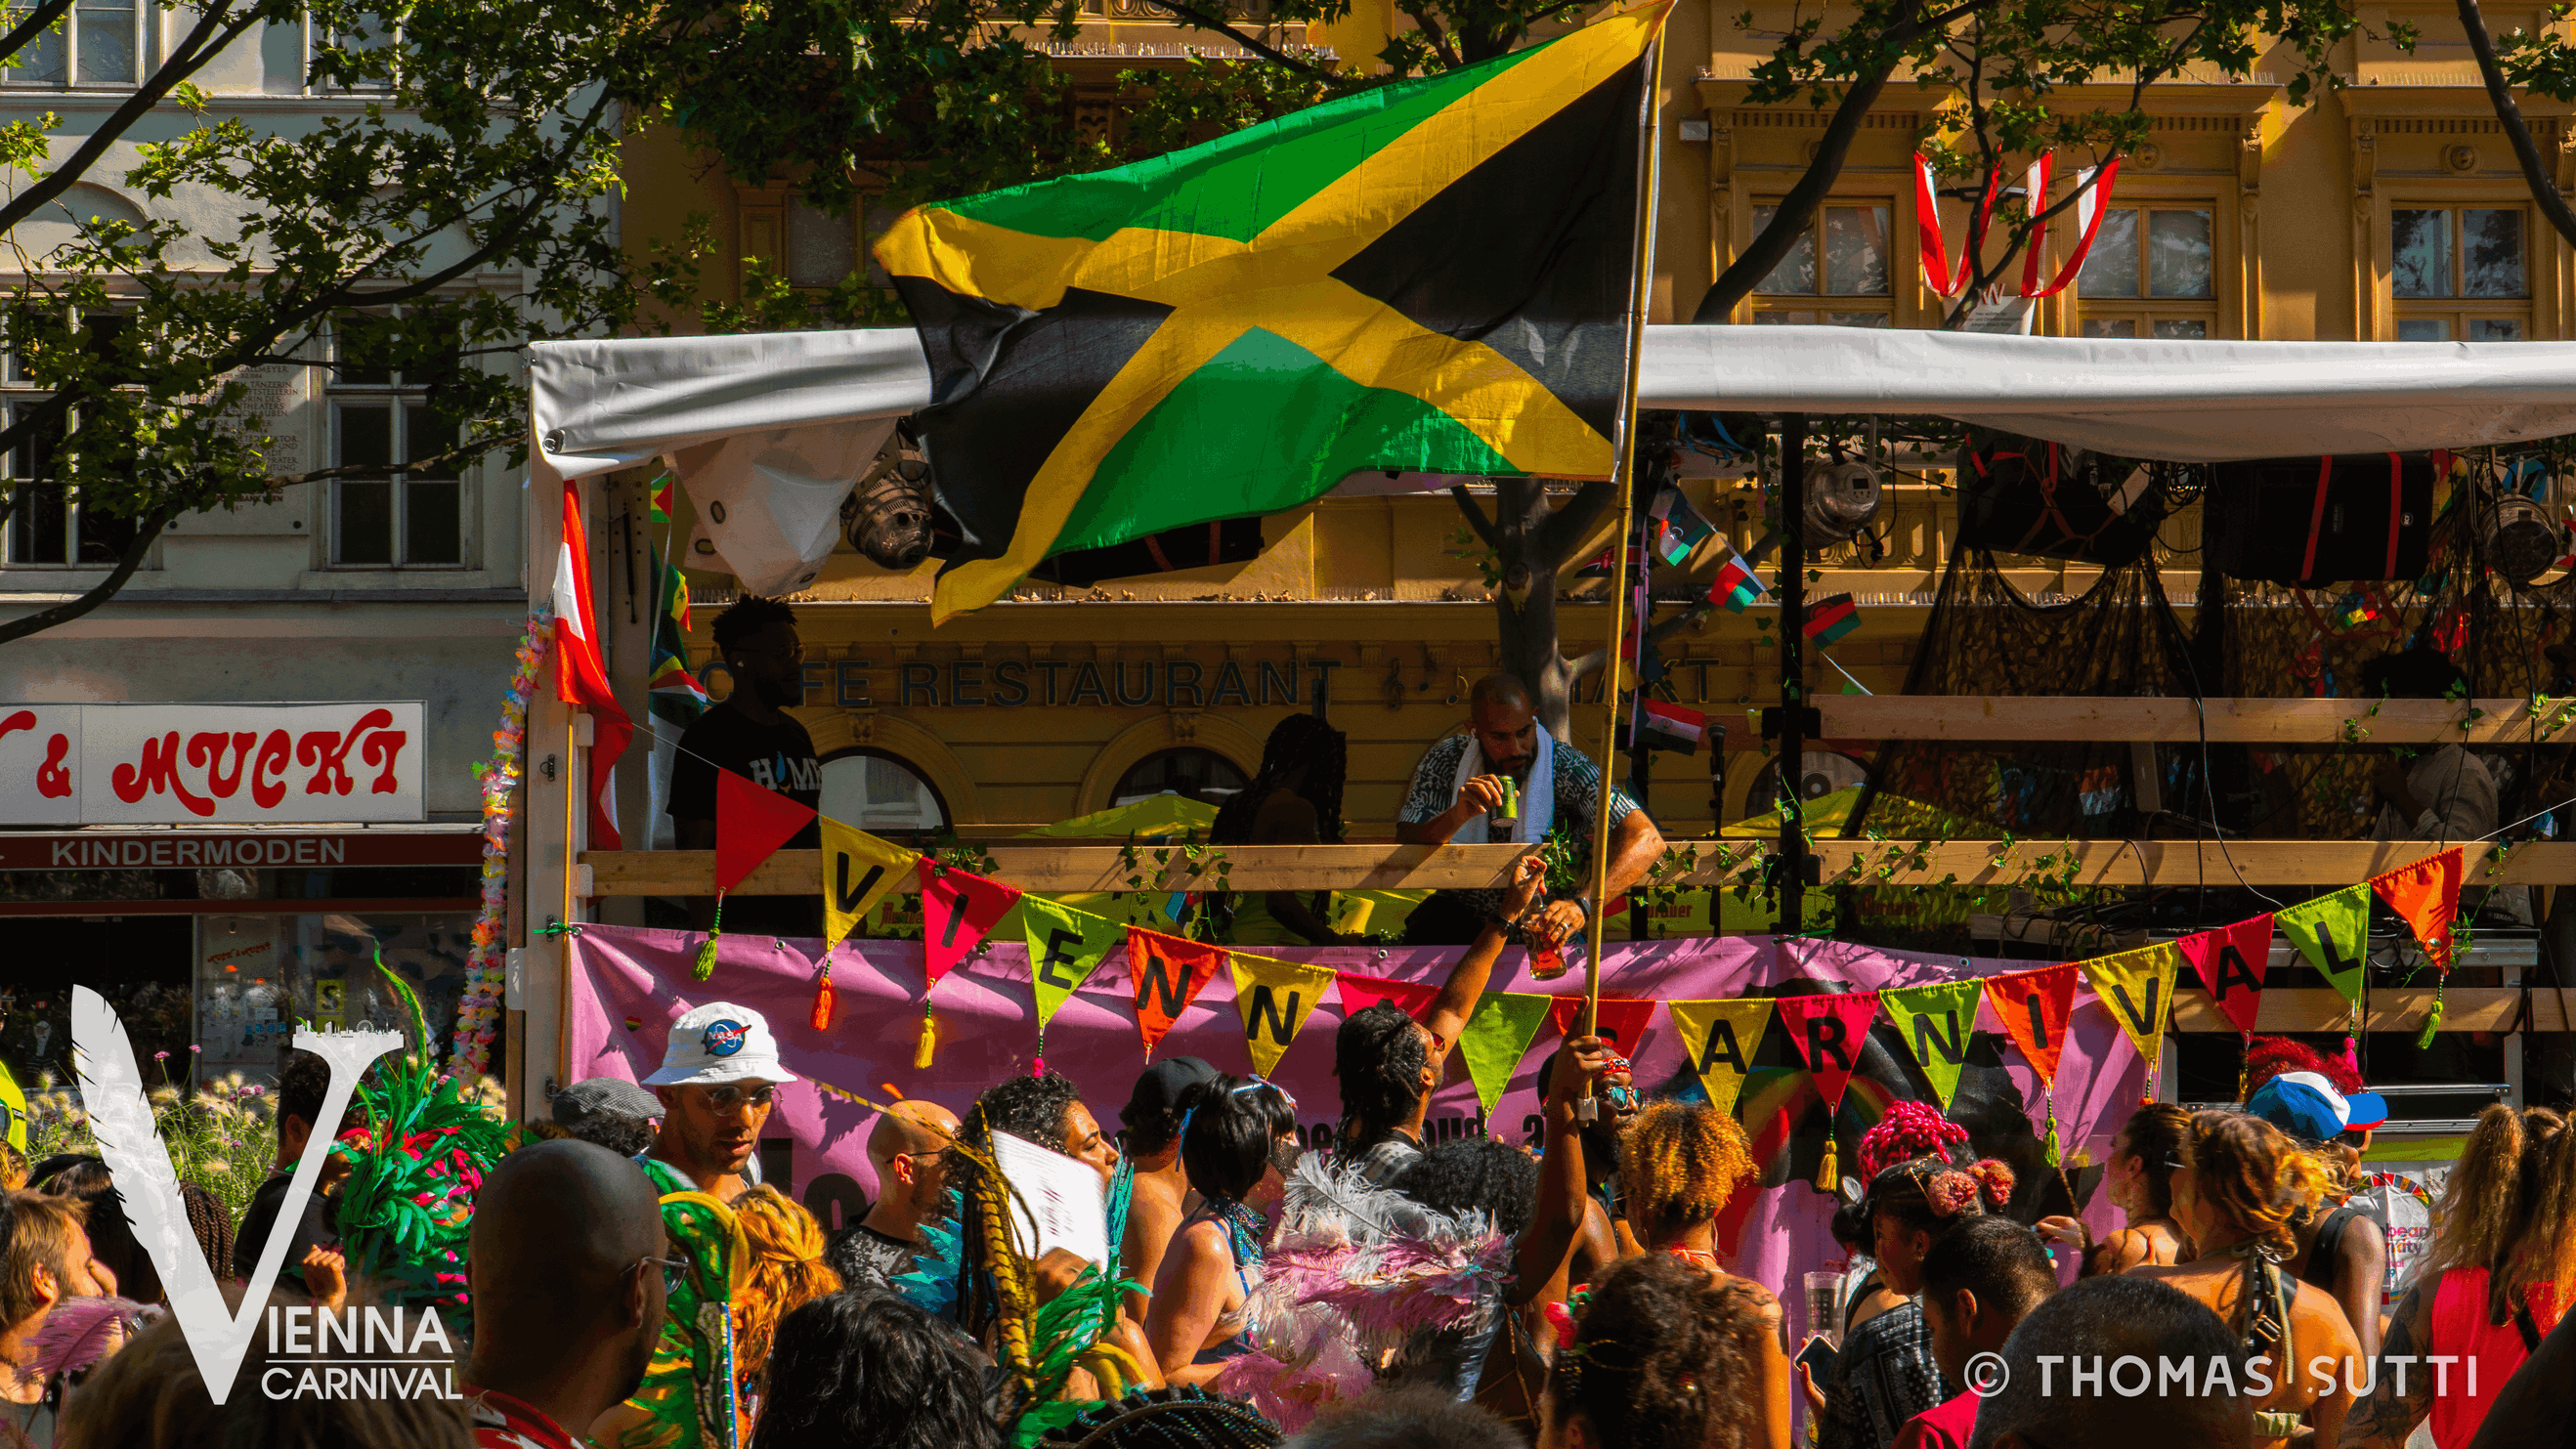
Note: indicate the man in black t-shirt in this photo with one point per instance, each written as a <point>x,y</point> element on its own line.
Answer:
<point>303,1079</point>
<point>750,733</point>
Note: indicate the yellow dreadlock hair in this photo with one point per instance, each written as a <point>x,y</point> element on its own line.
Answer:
<point>785,1272</point>
<point>1680,1162</point>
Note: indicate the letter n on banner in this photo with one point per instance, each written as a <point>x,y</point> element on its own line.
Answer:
<point>1275,998</point>
<point>1935,1023</point>
<point>1721,1037</point>
<point>1168,974</point>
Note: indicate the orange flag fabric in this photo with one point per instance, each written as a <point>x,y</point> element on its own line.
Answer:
<point>2426,894</point>
<point>2034,1006</point>
<point>1168,974</point>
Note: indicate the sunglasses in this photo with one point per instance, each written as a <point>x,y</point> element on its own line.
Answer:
<point>674,1272</point>
<point>728,1097</point>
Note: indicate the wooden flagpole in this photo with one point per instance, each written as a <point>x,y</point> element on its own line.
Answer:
<point>1623,473</point>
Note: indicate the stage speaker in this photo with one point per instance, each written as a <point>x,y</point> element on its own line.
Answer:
<point>2310,521</point>
<point>2032,496</point>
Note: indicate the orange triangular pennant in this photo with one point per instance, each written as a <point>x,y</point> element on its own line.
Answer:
<point>2426,894</point>
<point>2034,1006</point>
<point>1168,973</point>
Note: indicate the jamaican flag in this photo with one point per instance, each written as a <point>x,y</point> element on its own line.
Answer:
<point>1434,276</point>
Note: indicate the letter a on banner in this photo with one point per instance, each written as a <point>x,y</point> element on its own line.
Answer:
<point>2426,895</point>
<point>1168,974</point>
<point>2230,961</point>
<point>1064,946</point>
<point>858,871</point>
<point>2333,932</point>
<point>1936,1022</point>
<point>2137,987</point>
<point>958,910</point>
<point>1828,1032</point>
<point>1497,1035</point>
<point>1721,1037</point>
<point>2034,1006</point>
<point>1274,997</point>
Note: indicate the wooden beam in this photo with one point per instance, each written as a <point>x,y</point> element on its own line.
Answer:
<point>2176,721</point>
<point>1070,869</point>
<point>1062,869</point>
<point>2137,862</point>
<point>2402,1008</point>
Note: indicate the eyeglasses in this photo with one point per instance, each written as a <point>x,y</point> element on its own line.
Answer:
<point>674,1272</point>
<point>729,1096</point>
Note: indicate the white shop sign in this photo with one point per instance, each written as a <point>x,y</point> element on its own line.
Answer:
<point>186,764</point>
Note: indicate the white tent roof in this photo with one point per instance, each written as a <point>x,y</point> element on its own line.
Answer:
<point>603,405</point>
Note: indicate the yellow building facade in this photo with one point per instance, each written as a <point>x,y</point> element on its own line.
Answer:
<point>2388,209</point>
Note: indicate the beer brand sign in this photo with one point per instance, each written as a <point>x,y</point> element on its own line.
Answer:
<point>188,764</point>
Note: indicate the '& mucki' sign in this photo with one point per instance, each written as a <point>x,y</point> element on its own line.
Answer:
<point>187,764</point>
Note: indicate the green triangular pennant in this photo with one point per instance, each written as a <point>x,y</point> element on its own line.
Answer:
<point>2333,932</point>
<point>1495,1039</point>
<point>1064,944</point>
<point>1935,1022</point>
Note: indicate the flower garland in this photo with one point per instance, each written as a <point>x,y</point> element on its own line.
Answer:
<point>478,1012</point>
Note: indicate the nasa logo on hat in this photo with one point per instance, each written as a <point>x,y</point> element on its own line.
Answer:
<point>724,1038</point>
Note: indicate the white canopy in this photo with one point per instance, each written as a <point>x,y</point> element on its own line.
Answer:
<point>603,405</point>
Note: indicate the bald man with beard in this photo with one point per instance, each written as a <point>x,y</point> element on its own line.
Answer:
<point>912,1189</point>
<point>566,1261</point>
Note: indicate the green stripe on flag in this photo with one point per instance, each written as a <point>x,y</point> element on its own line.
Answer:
<point>1237,187</point>
<point>1263,427</point>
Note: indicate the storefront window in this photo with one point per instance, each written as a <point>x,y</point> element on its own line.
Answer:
<point>1201,775</point>
<point>258,975</point>
<point>881,794</point>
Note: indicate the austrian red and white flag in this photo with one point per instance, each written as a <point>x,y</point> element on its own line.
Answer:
<point>581,672</point>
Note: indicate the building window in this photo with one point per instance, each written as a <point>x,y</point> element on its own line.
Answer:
<point>2460,273</point>
<point>1201,775</point>
<point>823,249</point>
<point>99,44</point>
<point>47,526</point>
<point>1837,272</point>
<point>286,53</point>
<point>381,518</point>
<point>2150,274</point>
<point>882,794</point>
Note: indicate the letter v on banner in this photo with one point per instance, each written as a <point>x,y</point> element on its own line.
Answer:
<point>581,671</point>
<point>858,871</point>
<point>130,1142</point>
<point>2138,988</point>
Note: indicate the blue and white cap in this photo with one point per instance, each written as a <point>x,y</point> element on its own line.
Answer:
<point>719,1043</point>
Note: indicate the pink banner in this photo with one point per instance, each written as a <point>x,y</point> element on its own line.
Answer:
<point>630,984</point>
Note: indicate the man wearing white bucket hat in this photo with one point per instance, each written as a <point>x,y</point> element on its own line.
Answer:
<point>718,1081</point>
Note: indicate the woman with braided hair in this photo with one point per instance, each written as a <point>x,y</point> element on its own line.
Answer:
<point>1886,1373</point>
<point>1294,799</point>
<point>2492,1287</point>
<point>1663,1354</point>
<point>2237,1196</point>
<point>2139,1179</point>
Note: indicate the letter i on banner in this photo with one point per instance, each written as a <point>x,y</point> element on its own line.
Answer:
<point>958,910</point>
<point>1935,1023</point>
<point>1721,1037</point>
<point>2034,1006</point>
<point>1064,946</point>
<point>2137,986</point>
<point>1168,973</point>
<point>1275,998</point>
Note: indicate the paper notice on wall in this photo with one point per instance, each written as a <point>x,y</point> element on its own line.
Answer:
<point>1057,1200</point>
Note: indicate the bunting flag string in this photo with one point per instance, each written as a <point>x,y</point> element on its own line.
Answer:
<point>1827,1032</point>
<point>1721,1038</point>
<point>2333,932</point>
<point>1935,1022</point>
<point>958,910</point>
<point>1413,998</point>
<point>1621,1021</point>
<point>1065,945</point>
<point>2034,1006</point>
<point>2231,961</point>
<point>2137,986</point>
<point>2426,895</point>
<point>859,870</point>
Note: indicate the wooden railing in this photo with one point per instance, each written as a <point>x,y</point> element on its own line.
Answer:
<point>2179,721</point>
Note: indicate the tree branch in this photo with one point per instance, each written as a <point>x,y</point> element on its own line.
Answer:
<point>1586,664</point>
<point>37,21</point>
<point>2535,172</point>
<point>1431,30</point>
<point>1565,528</point>
<point>1674,625</point>
<point>1476,518</point>
<point>105,590</point>
<point>1199,19</point>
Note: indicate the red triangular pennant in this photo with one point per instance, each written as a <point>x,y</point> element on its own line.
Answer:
<point>1827,1032</point>
<point>2230,961</point>
<point>1413,998</point>
<point>1168,974</point>
<point>751,823</point>
<point>2034,1006</point>
<point>958,910</point>
<point>2426,895</point>
<point>1622,1021</point>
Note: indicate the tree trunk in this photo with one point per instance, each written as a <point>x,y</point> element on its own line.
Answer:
<point>1533,543</point>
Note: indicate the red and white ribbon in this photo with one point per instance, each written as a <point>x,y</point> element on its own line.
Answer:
<point>1927,220</point>
<point>2092,199</point>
